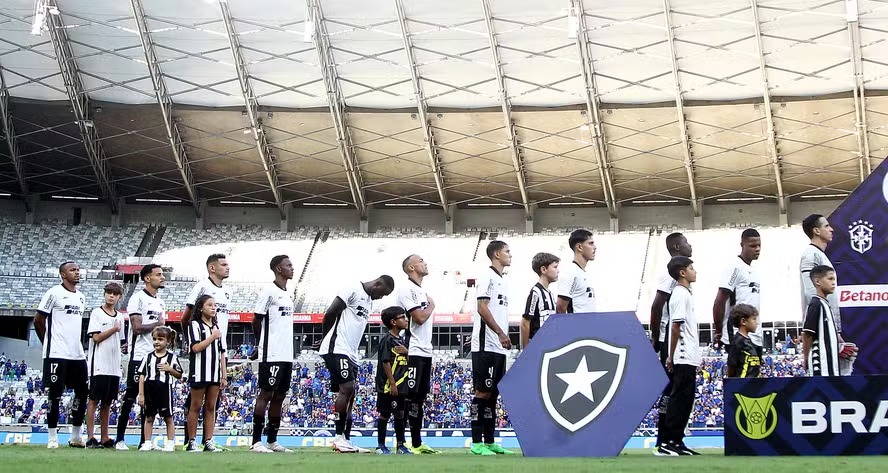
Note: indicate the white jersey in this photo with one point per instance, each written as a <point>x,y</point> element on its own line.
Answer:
<point>64,319</point>
<point>104,357</point>
<point>575,285</point>
<point>490,286</point>
<point>275,304</point>
<point>681,310</point>
<point>222,295</point>
<point>412,296</point>
<point>665,284</point>
<point>151,309</point>
<point>345,336</point>
<point>746,288</point>
<point>811,257</point>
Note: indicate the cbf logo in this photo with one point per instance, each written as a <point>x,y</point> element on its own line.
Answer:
<point>756,418</point>
<point>861,236</point>
<point>578,381</point>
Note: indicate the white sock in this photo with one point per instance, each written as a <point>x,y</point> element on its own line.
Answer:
<point>75,433</point>
<point>53,433</point>
<point>339,438</point>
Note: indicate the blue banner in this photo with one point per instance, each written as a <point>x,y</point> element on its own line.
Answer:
<point>807,416</point>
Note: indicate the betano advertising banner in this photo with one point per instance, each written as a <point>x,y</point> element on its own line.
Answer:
<point>859,252</point>
<point>845,415</point>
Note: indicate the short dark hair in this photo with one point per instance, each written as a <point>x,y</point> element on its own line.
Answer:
<point>389,314</point>
<point>388,281</point>
<point>62,266</point>
<point>406,263</point>
<point>577,237</point>
<point>810,223</point>
<point>678,264</point>
<point>114,288</point>
<point>147,269</point>
<point>741,312</point>
<point>276,261</point>
<point>750,233</point>
<point>214,257</point>
<point>821,271</point>
<point>543,260</point>
<point>494,246</point>
<point>673,240</point>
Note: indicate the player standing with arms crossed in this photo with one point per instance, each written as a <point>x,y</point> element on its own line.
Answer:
<point>419,308</point>
<point>105,327</point>
<point>490,344</point>
<point>57,324</point>
<point>273,326</point>
<point>344,325</point>
<point>146,312</point>
<point>576,295</point>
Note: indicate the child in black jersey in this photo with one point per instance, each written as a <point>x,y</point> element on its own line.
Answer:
<point>743,358</point>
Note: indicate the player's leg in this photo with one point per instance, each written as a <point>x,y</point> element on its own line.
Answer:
<point>148,415</point>
<point>482,379</point>
<point>209,409</point>
<point>418,392</point>
<point>663,403</point>
<point>489,433</point>
<point>681,402</point>
<point>274,418</point>
<point>170,444</point>
<point>384,409</point>
<point>53,378</point>
<point>77,378</point>
<point>399,405</point>
<point>126,406</point>
<point>187,409</point>
<point>91,408</point>
<point>197,400</point>
<point>259,408</point>
<point>104,417</point>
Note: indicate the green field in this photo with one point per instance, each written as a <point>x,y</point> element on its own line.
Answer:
<point>21,459</point>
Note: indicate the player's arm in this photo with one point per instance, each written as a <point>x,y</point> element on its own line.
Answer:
<point>198,346</point>
<point>332,313</point>
<point>140,328</point>
<point>223,370</point>
<point>490,322</point>
<point>186,314</point>
<point>525,332</point>
<point>660,300</point>
<point>142,370</point>
<point>99,337</point>
<point>809,330</point>
<point>40,324</point>
<point>529,309</point>
<point>731,366</point>
<point>176,370</point>
<point>673,342</point>
<point>257,326</point>
<point>419,315</point>
<point>718,314</point>
<point>562,304</point>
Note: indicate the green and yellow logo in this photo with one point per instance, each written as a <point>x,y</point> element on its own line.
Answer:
<point>756,418</point>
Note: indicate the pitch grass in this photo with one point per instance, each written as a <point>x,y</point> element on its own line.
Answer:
<point>22,459</point>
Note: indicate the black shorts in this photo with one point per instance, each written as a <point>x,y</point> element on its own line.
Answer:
<point>59,374</point>
<point>132,379</point>
<point>419,375</point>
<point>342,370</point>
<point>158,399</point>
<point>487,371</point>
<point>202,384</point>
<point>104,388</point>
<point>275,376</point>
<point>386,404</point>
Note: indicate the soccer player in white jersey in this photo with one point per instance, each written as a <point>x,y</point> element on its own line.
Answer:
<point>344,324</point>
<point>273,326</point>
<point>677,245</point>
<point>740,284</point>
<point>820,232</point>
<point>57,324</point>
<point>419,307</point>
<point>684,357</point>
<point>105,327</point>
<point>214,286</point>
<point>576,295</point>
<point>490,344</point>
<point>146,312</point>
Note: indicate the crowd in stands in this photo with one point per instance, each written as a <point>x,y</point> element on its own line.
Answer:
<point>310,402</point>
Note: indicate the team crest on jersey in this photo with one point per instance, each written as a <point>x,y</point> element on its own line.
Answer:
<point>861,236</point>
<point>579,380</point>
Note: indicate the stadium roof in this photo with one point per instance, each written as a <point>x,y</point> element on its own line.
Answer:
<point>464,102</point>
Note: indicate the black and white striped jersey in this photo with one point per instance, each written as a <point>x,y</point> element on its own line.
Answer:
<point>149,369</point>
<point>823,358</point>
<point>540,305</point>
<point>207,364</point>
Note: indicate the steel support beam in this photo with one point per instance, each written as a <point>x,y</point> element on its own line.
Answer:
<point>422,108</point>
<point>769,112</point>
<point>514,147</point>
<point>593,112</point>
<point>861,129</point>
<point>9,134</point>
<point>336,102</point>
<point>679,108</point>
<point>252,106</point>
<point>82,110</point>
<point>166,107</point>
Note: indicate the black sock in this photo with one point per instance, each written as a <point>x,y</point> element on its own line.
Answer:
<point>258,425</point>
<point>476,411</point>
<point>339,423</point>
<point>400,427</point>
<point>52,419</point>
<point>122,419</point>
<point>489,425</point>
<point>381,425</point>
<point>414,416</point>
<point>141,427</point>
<point>348,428</point>
<point>274,424</point>
<point>187,409</point>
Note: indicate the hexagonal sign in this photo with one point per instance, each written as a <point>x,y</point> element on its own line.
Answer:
<point>582,386</point>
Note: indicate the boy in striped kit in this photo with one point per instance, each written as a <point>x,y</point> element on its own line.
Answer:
<point>105,326</point>
<point>156,375</point>
<point>540,303</point>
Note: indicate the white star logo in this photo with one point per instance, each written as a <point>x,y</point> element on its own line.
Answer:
<point>580,381</point>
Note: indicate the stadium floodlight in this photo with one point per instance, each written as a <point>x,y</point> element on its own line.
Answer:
<point>163,201</point>
<point>5,195</point>
<point>573,22</point>
<point>324,204</point>
<point>406,204</point>
<point>571,204</point>
<point>73,197</point>
<point>484,204</point>
<point>665,201</point>
<point>825,196</point>
<point>242,202</point>
<point>738,199</point>
<point>39,24</point>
